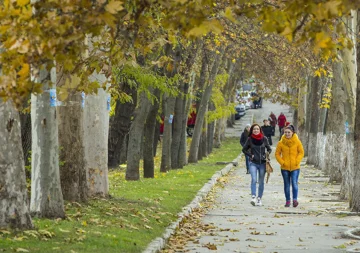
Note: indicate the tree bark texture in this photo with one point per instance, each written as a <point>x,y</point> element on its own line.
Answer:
<point>315,99</point>
<point>355,172</point>
<point>149,135</point>
<point>14,211</point>
<point>211,130</point>
<point>168,105</point>
<point>25,119</point>
<point>301,122</point>
<point>203,146</point>
<point>194,147</point>
<point>350,80</point>
<point>96,124</point>
<point>72,151</point>
<point>120,124</point>
<point>178,127</point>
<point>136,136</point>
<point>342,112</point>
<point>46,196</point>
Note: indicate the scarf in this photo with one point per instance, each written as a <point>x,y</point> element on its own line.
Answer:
<point>257,139</point>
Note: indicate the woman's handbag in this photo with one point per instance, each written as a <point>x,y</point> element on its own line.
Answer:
<point>269,168</point>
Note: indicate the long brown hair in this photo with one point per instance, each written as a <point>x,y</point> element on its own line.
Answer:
<point>252,127</point>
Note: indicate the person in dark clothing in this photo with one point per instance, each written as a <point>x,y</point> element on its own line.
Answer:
<point>273,122</point>
<point>268,130</point>
<point>255,148</point>
<point>243,138</point>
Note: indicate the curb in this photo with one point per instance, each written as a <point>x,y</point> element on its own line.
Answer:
<point>350,233</point>
<point>159,243</point>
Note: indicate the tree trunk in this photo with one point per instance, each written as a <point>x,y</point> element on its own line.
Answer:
<point>302,116</point>
<point>14,211</point>
<point>120,125</point>
<point>72,153</point>
<point>156,136</point>
<point>203,146</point>
<point>314,119</point>
<point>193,156</point>
<point>340,115</point>
<point>177,134</point>
<point>169,104</point>
<point>350,81</point>
<point>355,172</point>
<point>46,196</point>
<point>220,126</point>
<point>211,131</point>
<point>136,136</point>
<point>183,141</point>
<point>96,123</point>
<point>25,119</point>
<point>149,134</point>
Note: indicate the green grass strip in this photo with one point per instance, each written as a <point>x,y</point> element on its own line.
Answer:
<point>137,212</point>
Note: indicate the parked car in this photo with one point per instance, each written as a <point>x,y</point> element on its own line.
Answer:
<point>240,111</point>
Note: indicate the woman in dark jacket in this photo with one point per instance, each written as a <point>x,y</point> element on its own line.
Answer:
<point>255,148</point>
<point>243,138</point>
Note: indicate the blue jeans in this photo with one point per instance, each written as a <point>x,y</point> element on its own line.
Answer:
<point>247,162</point>
<point>293,176</point>
<point>254,170</point>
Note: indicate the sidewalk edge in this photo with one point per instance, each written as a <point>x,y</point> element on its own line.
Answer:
<point>160,242</point>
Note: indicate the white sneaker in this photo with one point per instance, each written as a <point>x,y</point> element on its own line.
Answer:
<point>253,200</point>
<point>258,202</point>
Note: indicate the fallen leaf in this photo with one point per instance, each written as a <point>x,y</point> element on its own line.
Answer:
<point>210,246</point>
<point>21,250</point>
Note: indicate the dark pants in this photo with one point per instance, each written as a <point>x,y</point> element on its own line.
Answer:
<point>273,130</point>
<point>247,162</point>
<point>281,132</point>
<point>269,139</point>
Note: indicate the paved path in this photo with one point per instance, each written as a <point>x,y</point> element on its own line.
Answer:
<point>232,224</point>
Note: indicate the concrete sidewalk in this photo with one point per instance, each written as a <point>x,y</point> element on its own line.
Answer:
<point>313,226</point>
<point>229,223</point>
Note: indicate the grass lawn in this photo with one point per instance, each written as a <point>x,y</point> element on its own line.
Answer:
<point>136,213</point>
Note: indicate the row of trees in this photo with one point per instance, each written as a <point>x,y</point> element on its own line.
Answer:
<point>328,116</point>
<point>153,57</point>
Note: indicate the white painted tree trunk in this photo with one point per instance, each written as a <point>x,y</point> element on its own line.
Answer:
<point>14,211</point>
<point>96,131</point>
<point>46,195</point>
<point>354,174</point>
<point>342,112</point>
<point>350,81</point>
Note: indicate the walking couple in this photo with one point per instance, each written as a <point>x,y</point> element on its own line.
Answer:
<point>289,153</point>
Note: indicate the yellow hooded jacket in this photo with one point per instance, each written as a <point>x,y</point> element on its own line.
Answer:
<point>289,153</point>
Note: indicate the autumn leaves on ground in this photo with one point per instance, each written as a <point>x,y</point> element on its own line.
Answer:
<point>136,213</point>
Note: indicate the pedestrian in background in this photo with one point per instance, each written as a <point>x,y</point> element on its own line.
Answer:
<point>273,122</point>
<point>267,130</point>
<point>281,122</point>
<point>243,138</point>
<point>255,148</point>
<point>289,153</point>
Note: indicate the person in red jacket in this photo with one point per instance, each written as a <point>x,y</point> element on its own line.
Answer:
<point>281,122</point>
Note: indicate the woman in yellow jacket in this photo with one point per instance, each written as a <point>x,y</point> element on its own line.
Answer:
<point>289,153</point>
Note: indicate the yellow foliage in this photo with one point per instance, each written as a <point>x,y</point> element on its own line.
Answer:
<point>114,6</point>
<point>22,2</point>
